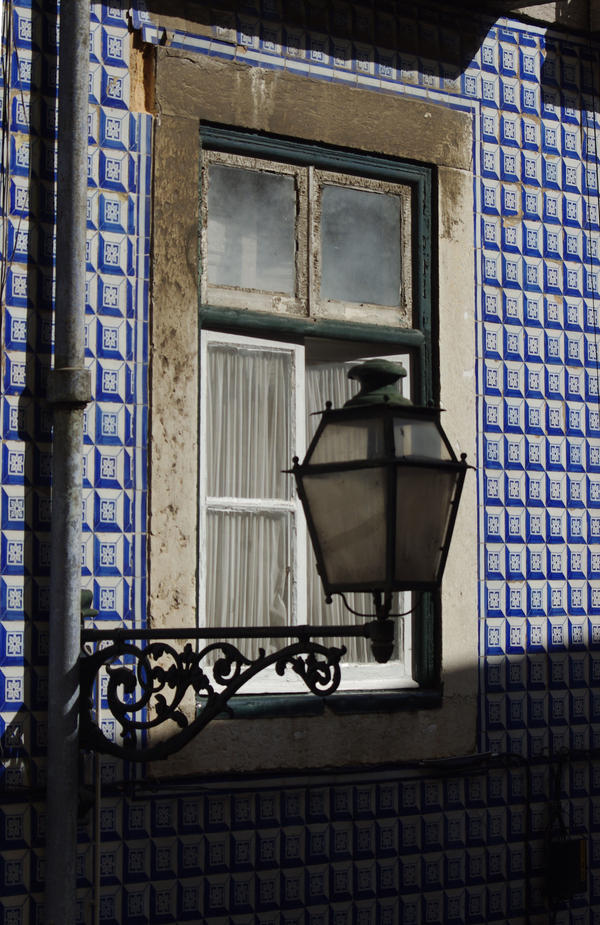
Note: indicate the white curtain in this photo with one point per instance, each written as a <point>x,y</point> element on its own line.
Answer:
<point>248,575</point>
<point>249,422</point>
<point>248,443</point>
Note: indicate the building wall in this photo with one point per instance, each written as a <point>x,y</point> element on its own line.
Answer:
<point>406,842</point>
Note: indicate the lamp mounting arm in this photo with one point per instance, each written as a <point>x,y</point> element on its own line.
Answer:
<point>150,679</point>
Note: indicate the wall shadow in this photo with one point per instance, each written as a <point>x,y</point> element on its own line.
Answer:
<point>27,423</point>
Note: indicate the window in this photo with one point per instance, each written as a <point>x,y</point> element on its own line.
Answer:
<point>322,262</point>
<point>429,147</point>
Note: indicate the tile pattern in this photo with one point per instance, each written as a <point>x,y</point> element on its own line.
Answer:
<point>364,848</point>
<point>540,447</point>
<point>373,849</point>
<point>113,515</point>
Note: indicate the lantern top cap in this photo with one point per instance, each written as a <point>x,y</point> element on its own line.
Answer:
<point>378,380</point>
<point>87,598</point>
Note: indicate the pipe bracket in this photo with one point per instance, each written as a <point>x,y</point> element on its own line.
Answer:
<point>69,385</point>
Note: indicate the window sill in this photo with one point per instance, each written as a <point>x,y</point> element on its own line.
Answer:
<point>385,701</point>
<point>267,706</point>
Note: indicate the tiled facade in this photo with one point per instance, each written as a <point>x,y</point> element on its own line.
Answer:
<point>401,845</point>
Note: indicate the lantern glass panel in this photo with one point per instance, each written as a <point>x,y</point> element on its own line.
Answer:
<point>419,438</point>
<point>348,510</point>
<point>423,497</point>
<point>345,441</point>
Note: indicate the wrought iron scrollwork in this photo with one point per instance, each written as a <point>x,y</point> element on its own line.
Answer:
<point>148,679</point>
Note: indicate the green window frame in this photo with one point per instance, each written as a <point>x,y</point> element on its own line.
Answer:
<point>419,340</point>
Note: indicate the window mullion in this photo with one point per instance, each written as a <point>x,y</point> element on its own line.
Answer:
<point>202,482</point>
<point>299,562</point>
<point>313,243</point>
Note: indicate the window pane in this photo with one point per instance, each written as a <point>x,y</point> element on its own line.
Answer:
<point>360,246</point>
<point>248,422</point>
<point>251,229</point>
<point>248,572</point>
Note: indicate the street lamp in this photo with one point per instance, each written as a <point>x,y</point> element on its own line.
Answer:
<point>380,487</point>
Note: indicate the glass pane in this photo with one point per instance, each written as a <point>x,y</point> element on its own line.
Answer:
<point>360,246</point>
<point>248,422</point>
<point>251,229</point>
<point>348,509</point>
<point>419,438</point>
<point>358,439</point>
<point>423,501</point>
<point>248,573</point>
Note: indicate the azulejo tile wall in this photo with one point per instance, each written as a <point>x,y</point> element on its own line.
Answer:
<point>113,515</point>
<point>398,846</point>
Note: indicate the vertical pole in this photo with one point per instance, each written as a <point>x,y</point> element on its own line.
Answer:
<point>68,392</point>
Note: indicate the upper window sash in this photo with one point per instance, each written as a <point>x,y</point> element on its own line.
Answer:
<point>418,181</point>
<point>299,240</point>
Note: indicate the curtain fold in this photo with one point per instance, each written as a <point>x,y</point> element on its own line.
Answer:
<point>248,433</point>
<point>249,422</point>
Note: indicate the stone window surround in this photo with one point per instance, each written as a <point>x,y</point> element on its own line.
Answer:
<point>190,89</point>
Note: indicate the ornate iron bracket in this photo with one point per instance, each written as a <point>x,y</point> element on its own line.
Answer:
<point>148,679</point>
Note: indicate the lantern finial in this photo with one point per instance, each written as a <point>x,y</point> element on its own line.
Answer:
<point>378,380</point>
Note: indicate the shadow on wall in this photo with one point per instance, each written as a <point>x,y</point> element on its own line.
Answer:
<point>536,704</point>
<point>424,40</point>
<point>30,110</point>
<point>542,705</point>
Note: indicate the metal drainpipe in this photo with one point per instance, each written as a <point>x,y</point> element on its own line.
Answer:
<point>69,390</point>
